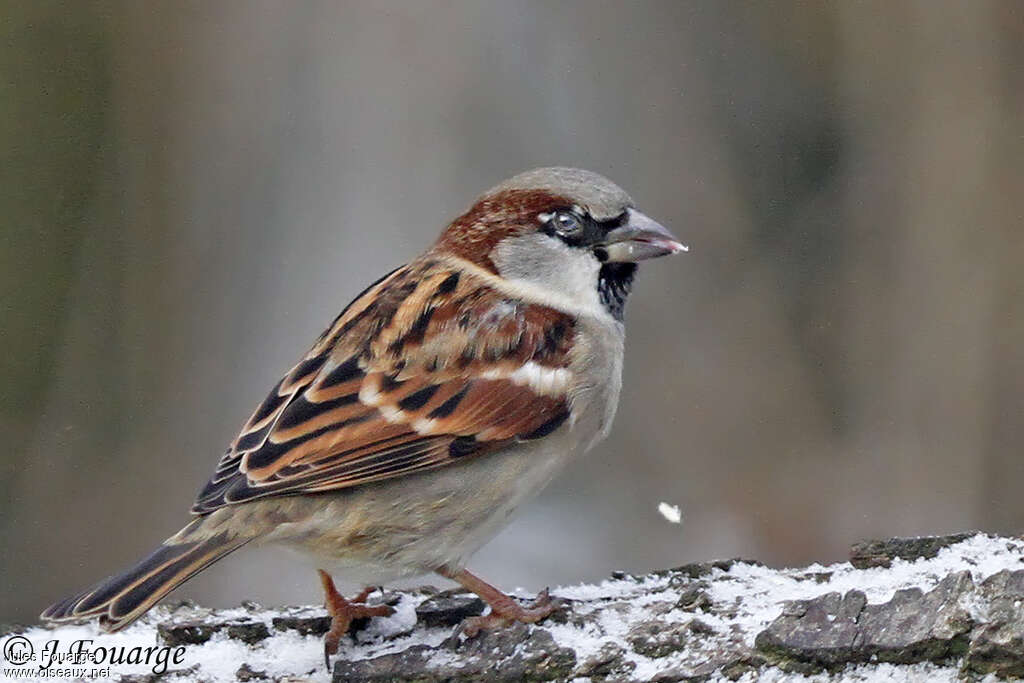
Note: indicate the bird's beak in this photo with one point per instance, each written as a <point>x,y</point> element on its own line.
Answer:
<point>638,239</point>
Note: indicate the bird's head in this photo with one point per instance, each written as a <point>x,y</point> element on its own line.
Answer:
<point>563,229</point>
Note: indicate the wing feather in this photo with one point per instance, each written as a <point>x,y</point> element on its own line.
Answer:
<point>425,368</point>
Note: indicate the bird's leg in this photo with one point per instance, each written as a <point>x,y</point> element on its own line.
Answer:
<point>504,609</point>
<point>343,612</point>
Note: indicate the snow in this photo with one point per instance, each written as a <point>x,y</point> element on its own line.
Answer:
<point>284,653</point>
<point>865,673</point>
<point>755,594</point>
<point>758,594</point>
<point>217,659</point>
<point>670,512</point>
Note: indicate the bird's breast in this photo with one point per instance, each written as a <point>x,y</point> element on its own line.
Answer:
<point>596,368</point>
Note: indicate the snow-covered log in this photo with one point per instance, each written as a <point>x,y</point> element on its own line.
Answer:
<point>924,609</point>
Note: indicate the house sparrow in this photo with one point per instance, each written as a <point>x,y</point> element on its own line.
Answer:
<point>445,395</point>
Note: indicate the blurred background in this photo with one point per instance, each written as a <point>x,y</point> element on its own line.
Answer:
<point>191,191</point>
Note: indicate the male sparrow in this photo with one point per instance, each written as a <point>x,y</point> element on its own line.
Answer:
<point>449,392</point>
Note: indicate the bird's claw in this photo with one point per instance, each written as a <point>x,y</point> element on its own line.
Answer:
<point>508,614</point>
<point>343,612</point>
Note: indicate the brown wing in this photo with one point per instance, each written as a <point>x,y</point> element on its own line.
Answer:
<point>427,367</point>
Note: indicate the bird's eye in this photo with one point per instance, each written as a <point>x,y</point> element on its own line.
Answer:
<point>567,223</point>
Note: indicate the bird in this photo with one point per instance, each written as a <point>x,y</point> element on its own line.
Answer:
<point>440,400</point>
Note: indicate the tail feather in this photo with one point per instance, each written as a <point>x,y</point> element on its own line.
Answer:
<point>121,599</point>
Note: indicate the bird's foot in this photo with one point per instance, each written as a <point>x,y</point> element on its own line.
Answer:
<point>504,609</point>
<point>504,614</point>
<point>343,612</point>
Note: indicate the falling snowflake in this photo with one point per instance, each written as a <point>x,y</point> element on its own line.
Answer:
<point>670,512</point>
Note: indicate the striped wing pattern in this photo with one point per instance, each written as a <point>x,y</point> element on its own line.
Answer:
<point>429,366</point>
